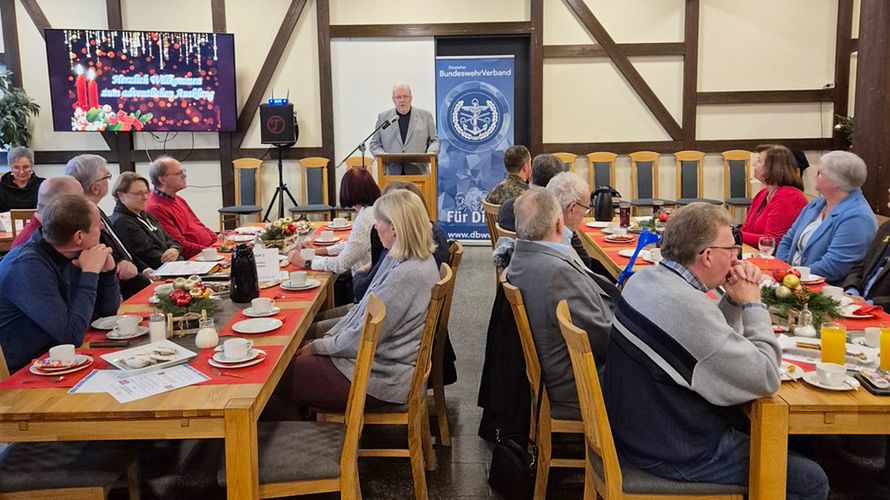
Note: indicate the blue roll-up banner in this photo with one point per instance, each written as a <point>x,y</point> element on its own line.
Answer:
<point>474,99</point>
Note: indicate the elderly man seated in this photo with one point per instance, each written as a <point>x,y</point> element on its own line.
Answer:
<point>869,278</point>
<point>678,359</point>
<point>545,273</point>
<point>50,189</point>
<point>174,214</point>
<point>51,286</point>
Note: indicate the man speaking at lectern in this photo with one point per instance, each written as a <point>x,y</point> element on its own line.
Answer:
<point>412,130</point>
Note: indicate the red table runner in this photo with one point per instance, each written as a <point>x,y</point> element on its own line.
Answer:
<point>256,374</point>
<point>24,379</point>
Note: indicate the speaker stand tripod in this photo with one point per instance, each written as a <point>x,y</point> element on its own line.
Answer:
<point>281,190</point>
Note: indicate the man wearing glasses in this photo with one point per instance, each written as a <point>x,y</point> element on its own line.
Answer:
<point>678,359</point>
<point>174,214</point>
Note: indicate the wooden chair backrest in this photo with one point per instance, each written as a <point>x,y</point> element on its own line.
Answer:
<point>4,368</point>
<point>643,157</point>
<point>356,161</point>
<point>491,220</point>
<point>600,157</point>
<point>455,255</point>
<point>683,158</point>
<point>19,214</point>
<point>308,165</point>
<point>730,157</point>
<point>568,161</point>
<point>504,232</point>
<point>597,431</point>
<point>355,405</point>
<point>247,176</point>
<point>417,393</point>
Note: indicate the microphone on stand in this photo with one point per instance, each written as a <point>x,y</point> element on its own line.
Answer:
<point>390,121</point>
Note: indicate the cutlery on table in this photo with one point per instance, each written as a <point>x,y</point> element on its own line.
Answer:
<point>53,381</point>
<point>227,374</point>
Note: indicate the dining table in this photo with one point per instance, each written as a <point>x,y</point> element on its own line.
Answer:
<point>797,407</point>
<point>35,408</point>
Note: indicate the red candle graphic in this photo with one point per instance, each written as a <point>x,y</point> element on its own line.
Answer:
<point>81,85</point>
<point>93,90</point>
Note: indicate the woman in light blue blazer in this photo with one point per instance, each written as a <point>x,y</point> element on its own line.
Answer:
<point>833,232</point>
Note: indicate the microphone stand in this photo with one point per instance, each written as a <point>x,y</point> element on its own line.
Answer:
<point>362,146</point>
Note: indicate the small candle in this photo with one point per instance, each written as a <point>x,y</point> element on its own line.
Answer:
<point>80,83</point>
<point>93,90</point>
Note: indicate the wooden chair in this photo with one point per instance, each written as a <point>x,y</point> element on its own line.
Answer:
<point>314,195</point>
<point>602,169</point>
<point>644,180</point>
<point>356,161</point>
<point>301,458</point>
<point>690,182</point>
<point>604,476</point>
<point>248,191</point>
<point>736,179</point>
<point>414,414</point>
<point>17,215</point>
<point>568,161</point>
<point>491,220</point>
<point>83,470</point>
<point>455,255</point>
<point>506,233</point>
<point>547,424</point>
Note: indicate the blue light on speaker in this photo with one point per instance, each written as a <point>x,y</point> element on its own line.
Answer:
<point>278,102</point>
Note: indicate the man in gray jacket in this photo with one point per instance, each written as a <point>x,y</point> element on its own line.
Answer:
<point>410,130</point>
<point>678,358</point>
<point>541,267</point>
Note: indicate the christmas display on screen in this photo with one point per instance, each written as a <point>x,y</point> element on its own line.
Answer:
<point>120,81</point>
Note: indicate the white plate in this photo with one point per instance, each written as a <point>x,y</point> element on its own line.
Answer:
<point>118,359</point>
<point>788,345</point>
<point>249,229</point>
<point>88,361</point>
<point>220,357</point>
<point>628,252</point>
<point>201,258</point>
<point>339,228</point>
<point>643,218</point>
<point>319,241</point>
<point>228,366</point>
<point>812,280</point>
<point>616,240</point>
<point>257,325</point>
<point>851,384</point>
<point>795,374</point>
<point>252,314</point>
<point>847,312</point>
<point>861,341</point>
<point>597,224</point>
<point>242,237</point>
<point>310,284</point>
<point>140,331</point>
<point>106,323</point>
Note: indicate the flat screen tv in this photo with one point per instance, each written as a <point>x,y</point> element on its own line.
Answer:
<point>124,81</point>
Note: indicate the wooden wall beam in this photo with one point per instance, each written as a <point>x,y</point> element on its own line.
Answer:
<point>690,72</point>
<point>288,23</point>
<point>429,29</point>
<point>115,14</point>
<point>805,144</point>
<point>854,45</point>
<point>37,16</point>
<point>12,58</point>
<point>326,92</point>
<point>120,142</point>
<point>629,49</point>
<point>842,55</point>
<point>767,96</point>
<point>226,167</point>
<point>670,147</point>
<point>536,78</point>
<point>624,66</point>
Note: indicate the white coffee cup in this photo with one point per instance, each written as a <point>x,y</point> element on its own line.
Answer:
<point>209,254</point>
<point>326,236</point>
<point>831,374</point>
<point>834,292</point>
<point>262,305</point>
<point>873,336</point>
<point>126,325</point>
<point>804,272</point>
<point>237,348</point>
<point>307,253</point>
<point>63,353</point>
<point>339,221</point>
<point>298,278</point>
<point>619,231</point>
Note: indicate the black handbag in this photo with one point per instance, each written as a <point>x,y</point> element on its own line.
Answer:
<point>514,462</point>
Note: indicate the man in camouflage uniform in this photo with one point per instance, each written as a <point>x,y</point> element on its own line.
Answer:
<point>517,161</point>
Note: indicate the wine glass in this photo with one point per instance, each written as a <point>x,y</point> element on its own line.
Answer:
<point>766,245</point>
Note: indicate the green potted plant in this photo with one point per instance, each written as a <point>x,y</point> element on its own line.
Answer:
<point>16,109</point>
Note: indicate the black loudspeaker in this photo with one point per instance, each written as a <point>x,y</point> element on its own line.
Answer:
<point>278,124</point>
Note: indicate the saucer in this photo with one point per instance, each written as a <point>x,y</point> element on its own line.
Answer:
<point>849,312</point>
<point>242,238</point>
<point>249,312</point>
<point>140,331</point>
<point>861,341</point>
<point>850,384</point>
<point>257,325</point>
<point>249,229</point>
<point>83,361</point>
<point>220,357</point>
<point>228,366</point>
<point>790,371</point>
<point>599,224</point>
<point>325,243</point>
<point>814,279</point>
<point>619,239</point>
<point>106,323</point>
<point>310,284</point>
<point>339,228</point>
<point>200,258</point>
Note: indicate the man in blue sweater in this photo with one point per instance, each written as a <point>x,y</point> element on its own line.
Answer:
<point>677,360</point>
<point>51,286</point>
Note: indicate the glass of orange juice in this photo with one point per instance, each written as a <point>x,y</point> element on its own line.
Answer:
<point>885,347</point>
<point>834,340</point>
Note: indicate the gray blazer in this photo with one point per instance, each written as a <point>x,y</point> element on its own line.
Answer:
<point>545,277</point>
<point>421,136</point>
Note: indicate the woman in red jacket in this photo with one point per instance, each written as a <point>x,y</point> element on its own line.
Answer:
<point>777,205</point>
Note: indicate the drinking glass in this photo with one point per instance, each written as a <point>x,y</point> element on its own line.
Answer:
<point>766,245</point>
<point>885,347</point>
<point>834,343</point>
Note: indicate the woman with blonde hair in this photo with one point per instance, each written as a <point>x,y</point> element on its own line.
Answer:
<point>321,372</point>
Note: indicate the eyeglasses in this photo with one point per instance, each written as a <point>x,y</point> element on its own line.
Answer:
<point>103,178</point>
<point>139,194</point>
<point>585,207</point>
<point>735,249</point>
<point>181,173</point>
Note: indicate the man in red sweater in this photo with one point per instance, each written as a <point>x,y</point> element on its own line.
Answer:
<point>174,214</point>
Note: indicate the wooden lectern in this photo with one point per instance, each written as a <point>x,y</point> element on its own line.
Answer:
<point>428,183</point>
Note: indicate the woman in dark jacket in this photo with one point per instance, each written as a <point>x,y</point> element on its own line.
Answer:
<point>140,233</point>
<point>18,187</point>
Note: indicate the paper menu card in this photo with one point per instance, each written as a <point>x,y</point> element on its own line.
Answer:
<point>185,268</point>
<point>142,385</point>
<point>267,264</point>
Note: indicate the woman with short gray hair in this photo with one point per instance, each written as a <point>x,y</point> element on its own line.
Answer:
<point>18,187</point>
<point>833,232</point>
